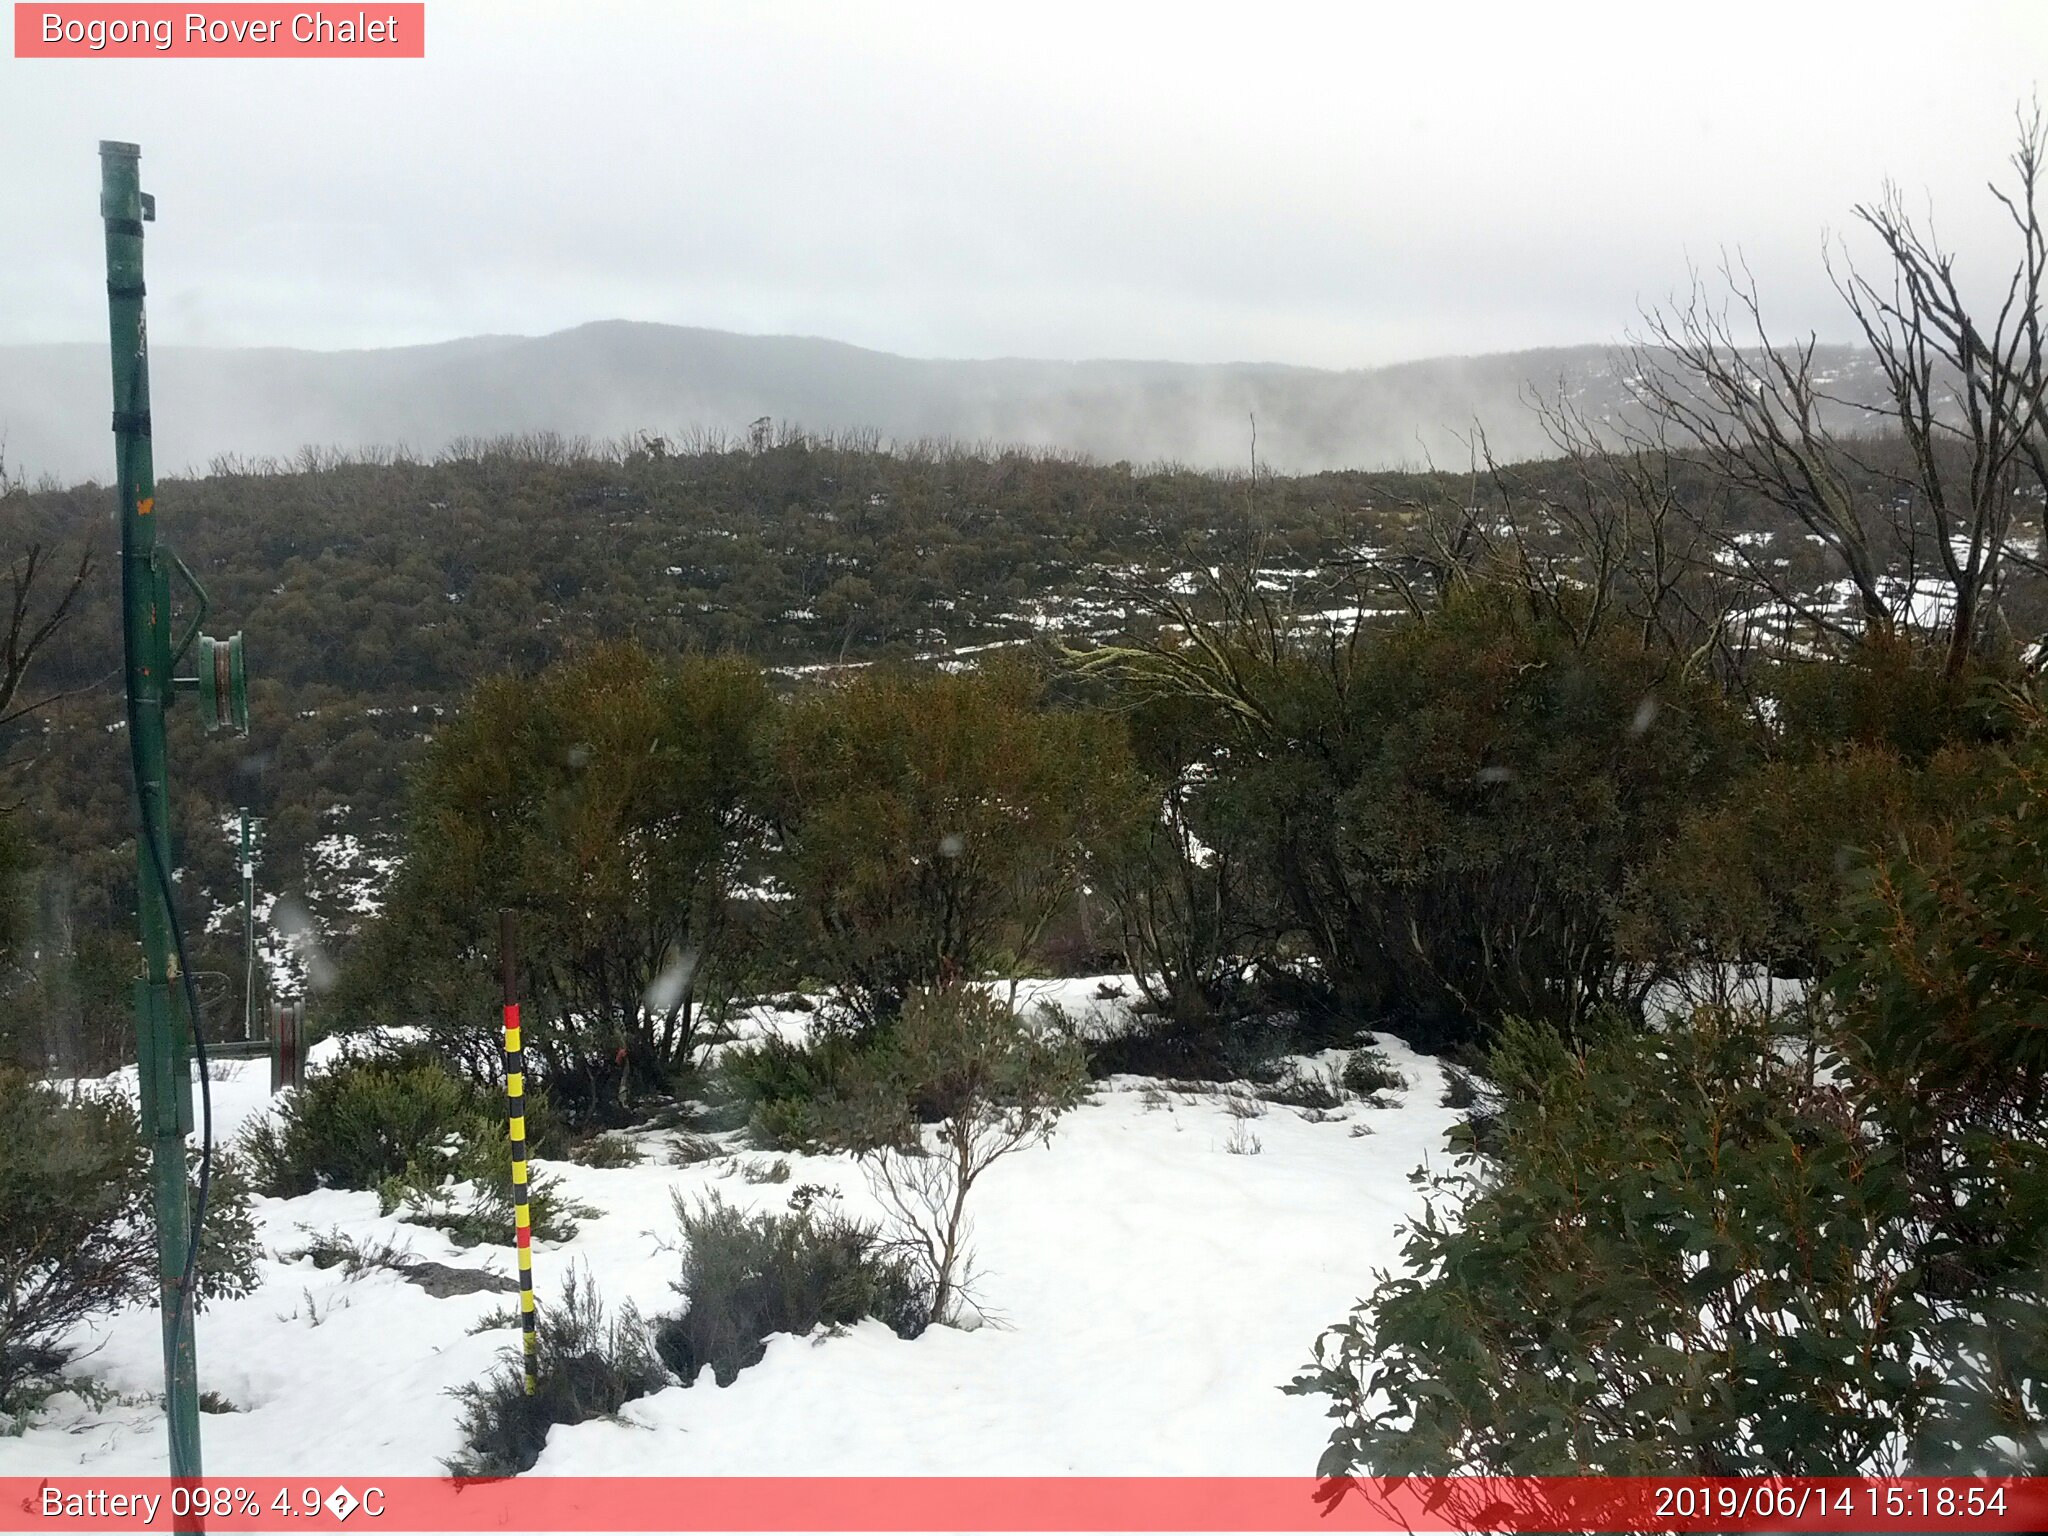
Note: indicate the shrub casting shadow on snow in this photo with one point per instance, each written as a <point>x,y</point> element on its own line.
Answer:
<point>590,1367</point>
<point>1236,1050</point>
<point>77,1234</point>
<point>1252,1046</point>
<point>747,1277</point>
<point>777,1085</point>
<point>1368,1073</point>
<point>364,1119</point>
<point>434,1148</point>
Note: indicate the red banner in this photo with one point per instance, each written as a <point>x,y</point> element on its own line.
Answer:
<point>1061,1504</point>
<point>235,31</point>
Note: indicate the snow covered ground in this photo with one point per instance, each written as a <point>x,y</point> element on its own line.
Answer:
<point>1154,1287</point>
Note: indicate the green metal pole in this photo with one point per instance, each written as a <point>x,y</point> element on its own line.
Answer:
<point>163,1045</point>
<point>248,933</point>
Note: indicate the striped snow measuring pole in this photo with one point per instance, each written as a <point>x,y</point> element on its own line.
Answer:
<point>515,1109</point>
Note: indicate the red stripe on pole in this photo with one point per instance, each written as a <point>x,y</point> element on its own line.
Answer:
<point>920,1504</point>
<point>526,1237</point>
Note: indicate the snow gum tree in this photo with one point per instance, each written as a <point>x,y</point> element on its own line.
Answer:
<point>1444,806</point>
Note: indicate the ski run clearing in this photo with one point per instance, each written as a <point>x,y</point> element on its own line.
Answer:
<point>1152,1280</point>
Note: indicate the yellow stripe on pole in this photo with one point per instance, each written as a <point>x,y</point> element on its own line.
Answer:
<point>515,1115</point>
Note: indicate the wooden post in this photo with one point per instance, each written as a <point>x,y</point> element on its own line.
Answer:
<point>287,1044</point>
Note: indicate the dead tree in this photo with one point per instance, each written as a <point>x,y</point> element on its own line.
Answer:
<point>1966,398</point>
<point>1756,409</point>
<point>29,630</point>
<point>1962,394</point>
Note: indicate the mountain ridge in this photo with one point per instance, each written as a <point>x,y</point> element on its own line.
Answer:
<point>606,378</point>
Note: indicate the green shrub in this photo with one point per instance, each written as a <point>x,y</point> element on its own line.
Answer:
<point>603,1152</point>
<point>1460,1091</point>
<point>780,1083</point>
<point>1368,1073</point>
<point>354,1257</point>
<point>472,1201</point>
<point>1685,1258</point>
<point>1939,992</point>
<point>1242,1049</point>
<point>746,1277</point>
<point>1940,971</point>
<point>1446,807</point>
<point>1305,1088</point>
<point>434,1149</point>
<point>589,1367</point>
<point>687,1149</point>
<point>361,1121</point>
<point>1893,696</point>
<point>933,824</point>
<point>1172,872</point>
<point>227,1243</point>
<point>1757,876</point>
<point>78,1230</point>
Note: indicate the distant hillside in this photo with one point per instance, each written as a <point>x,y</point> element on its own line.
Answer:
<point>616,376</point>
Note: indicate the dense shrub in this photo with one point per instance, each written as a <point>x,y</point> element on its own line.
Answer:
<point>1686,1259</point>
<point>1716,1249</point>
<point>1448,806</point>
<point>602,1152</point>
<point>1888,695</point>
<point>1755,878</point>
<point>932,824</point>
<point>1940,995</point>
<point>1367,1072</point>
<point>747,1277</point>
<point>1941,957</point>
<point>465,1189</point>
<point>590,1366</point>
<point>1306,1087</point>
<point>1246,1048</point>
<point>779,1083</point>
<point>434,1148</point>
<point>360,1121</point>
<point>78,1229</point>
<point>1460,1090</point>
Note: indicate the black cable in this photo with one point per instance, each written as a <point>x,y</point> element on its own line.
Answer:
<point>150,834</point>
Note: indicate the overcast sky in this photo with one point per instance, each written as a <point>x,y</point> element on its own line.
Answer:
<point>1337,185</point>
